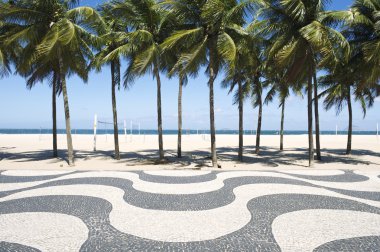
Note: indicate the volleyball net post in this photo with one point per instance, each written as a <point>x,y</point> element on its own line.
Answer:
<point>131,130</point>
<point>125,130</point>
<point>95,124</point>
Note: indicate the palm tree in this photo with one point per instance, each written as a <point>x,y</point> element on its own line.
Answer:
<point>113,32</point>
<point>182,81</point>
<point>34,74</point>
<point>208,39</point>
<point>257,101</point>
<point>316,116</point>
<point>233,79</point>
<point>52,31</point>
<point>301,32</point>
<point>359,75</point>
<point>169,58</point>
<point>239,75</point>
<point>274,81</point>
<point>340,84</point>
<point>38,73</point>
<point>364,31</point>
<point>150,25</point>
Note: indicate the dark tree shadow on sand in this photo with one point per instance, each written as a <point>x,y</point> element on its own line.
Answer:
<point>268,157</point>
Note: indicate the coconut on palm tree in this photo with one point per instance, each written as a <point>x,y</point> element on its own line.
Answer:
<point>52,31</point>
<point>208,39</point>
<point>303,40</point>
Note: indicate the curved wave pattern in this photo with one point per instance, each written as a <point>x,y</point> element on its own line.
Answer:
<point>33,173</point>
<point>177,173</point>
<point>329,175</point>
<point>309,229</point>
<point>43,231</point>
<point>16,176</point>
<point>192,211</point>
<point>357,244</point>
<point>8,246</point>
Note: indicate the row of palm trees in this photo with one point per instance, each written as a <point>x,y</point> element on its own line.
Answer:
<point>277,46</point>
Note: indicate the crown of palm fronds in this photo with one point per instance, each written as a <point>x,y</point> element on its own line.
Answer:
<point>149,24</point>
<point>213,24</point>
<point>343,81</point>
<point>8,51</point>
<point>48,30</point>
<point>301,31</point>
<point>363,28</point>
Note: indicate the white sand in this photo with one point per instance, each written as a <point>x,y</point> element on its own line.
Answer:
<point>140,152</point>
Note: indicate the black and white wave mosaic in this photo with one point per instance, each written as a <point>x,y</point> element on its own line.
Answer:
<point>301,210</point>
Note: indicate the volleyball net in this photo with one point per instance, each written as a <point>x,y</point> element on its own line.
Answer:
<point>105,126</point>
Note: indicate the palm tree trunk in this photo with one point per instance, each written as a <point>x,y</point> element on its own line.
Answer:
<point>282,126</point>
<point>159,113</point>
<point>212,77</point>
<point>310,118</point>
<point>240,153</point>
<point>316,114</point>
<point>349,140</point>
<point>70,150</point>
<point>179,143</point>
<point>258,131</point>
<point>115,75</point>
<point>54,114</point>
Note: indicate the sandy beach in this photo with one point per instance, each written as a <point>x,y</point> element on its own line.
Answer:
<point>139,152</point>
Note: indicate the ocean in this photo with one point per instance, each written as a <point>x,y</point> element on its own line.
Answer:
<point>174,132</point>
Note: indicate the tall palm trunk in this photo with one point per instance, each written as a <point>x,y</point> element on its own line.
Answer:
<point>212,77</point>
<point>310,117</point>
<point>70,150</point>
<point>316,114</point>
<point>282,126</point>
<point>240,153</point>
<point>258,131</point>
<point>179,143</point>
<point>115,75</point>
<point>159,113</point>
<point>54,113</point>
<point>349,140</point>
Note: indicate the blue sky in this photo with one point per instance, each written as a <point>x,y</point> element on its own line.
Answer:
<point>23,108</point>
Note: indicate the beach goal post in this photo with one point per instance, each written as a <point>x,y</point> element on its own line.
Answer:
<point>95,124</point>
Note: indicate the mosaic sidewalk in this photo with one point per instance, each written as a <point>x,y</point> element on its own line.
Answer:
<point>303,210</point>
